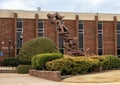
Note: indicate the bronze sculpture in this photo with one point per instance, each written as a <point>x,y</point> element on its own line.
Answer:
<point>71,42</point>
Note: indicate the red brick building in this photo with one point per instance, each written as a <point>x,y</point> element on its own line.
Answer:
<point>99,32</point>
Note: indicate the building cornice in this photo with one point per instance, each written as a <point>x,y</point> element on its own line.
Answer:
<point>29,14</point>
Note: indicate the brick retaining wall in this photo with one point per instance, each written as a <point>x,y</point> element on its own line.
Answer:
<point>50,75</point>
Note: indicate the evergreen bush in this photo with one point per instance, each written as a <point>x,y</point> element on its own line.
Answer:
<point>79,65</point>
<point>68,66</point>
<point>23,69</point>
<point>39,61</point>
<point>36,46</point>
<point>13,61</point>
<point>114,62</point>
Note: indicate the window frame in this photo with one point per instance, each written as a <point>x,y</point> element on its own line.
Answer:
<point>19,30</point>
<point>61,47</point>
<point>118,33</point>
<point>100,32</point>
<point>41,29</point>
<point>81,31</point>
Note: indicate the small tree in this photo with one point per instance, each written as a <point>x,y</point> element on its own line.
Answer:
<point>37,46</point>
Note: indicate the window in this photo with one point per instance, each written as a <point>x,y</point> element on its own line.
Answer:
<point>80,40</point>
<point>118,26</point>
<point>40,34</point>
<point>19,24</point>
<point>99,44</point>
<point>80,25</point>
<point>118,39</point>
<point>61,44</point>
<point>100,51</point>
<point>40,28</point>
<point>19,34</point>
<point>100,39</point>
<point>100,25</point>
<point>118,44</point>
<point>19,40</point>
<point>80,33</point>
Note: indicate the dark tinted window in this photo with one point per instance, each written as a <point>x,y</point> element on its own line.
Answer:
<point>61,42</point>
<point>40,34</point>
<point>61,50</point>
<point>118,40</point>
<point>40,24</point>
<point>118,51</point>
<point>100,52</point>
<point>18,50</point>
<point>19,23</point>
<point>118,25</point>
<point>100,25</point>
<point>81,40</point>
<point>40,28</point>
<point>80,24</point>
<point>99,40</point>
<point>19,39</point>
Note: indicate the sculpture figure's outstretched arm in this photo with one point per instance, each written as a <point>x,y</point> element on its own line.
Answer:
<point>58,16</point>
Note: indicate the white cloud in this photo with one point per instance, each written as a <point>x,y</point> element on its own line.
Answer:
<point>95,2</point>
<point>12,4</point>
<point>22,4</point>
<point>63,5</point>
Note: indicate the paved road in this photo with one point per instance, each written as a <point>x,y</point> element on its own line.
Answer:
<point>25,79</point>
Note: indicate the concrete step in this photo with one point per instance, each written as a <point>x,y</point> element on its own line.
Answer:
<point>7,70</point>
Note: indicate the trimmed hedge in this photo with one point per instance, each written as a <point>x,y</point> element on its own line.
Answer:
<point>36,46</point>
<point>14,62</point>
<point>80,65</point>
<point>23,69</point>
<point>114,62</point>
<point>68,66</point>
<point>39,61</point>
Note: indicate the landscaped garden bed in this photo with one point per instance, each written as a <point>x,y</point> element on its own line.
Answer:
<point>70,65</point>
<point>43,56</point>
<point>81,65</point>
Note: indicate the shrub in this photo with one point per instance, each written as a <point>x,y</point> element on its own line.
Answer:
<point>6,62</point>
<point>114,62</point>
<point>13,61</point>
<point>24,62</point>
<point>39,61</point>
<point>96,63</point>
<point>68,66</point>
<point>107,62</point>
<point>79,65</point>
<point>23,69</point>
<point>37,46</point>
<point>95,66</point>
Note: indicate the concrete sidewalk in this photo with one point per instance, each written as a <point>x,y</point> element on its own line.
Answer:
<point>26,79</point>
<point>7,70</point>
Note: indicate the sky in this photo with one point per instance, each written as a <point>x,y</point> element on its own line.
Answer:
<point>90,6</point>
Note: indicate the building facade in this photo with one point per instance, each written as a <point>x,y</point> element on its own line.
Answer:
<point>99,32</point>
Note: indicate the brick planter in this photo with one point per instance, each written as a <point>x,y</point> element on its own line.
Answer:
<point>50,75</point>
